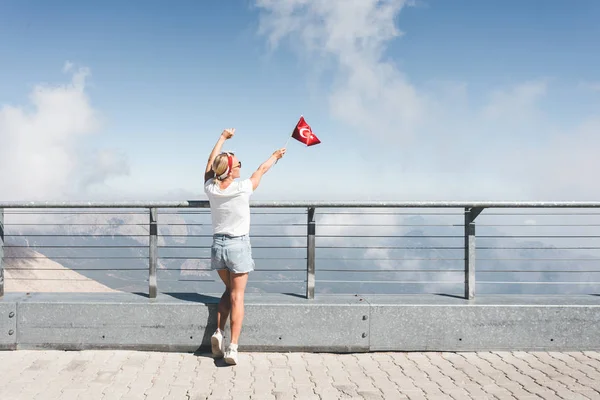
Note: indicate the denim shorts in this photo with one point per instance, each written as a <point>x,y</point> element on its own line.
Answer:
<point>233,253</point>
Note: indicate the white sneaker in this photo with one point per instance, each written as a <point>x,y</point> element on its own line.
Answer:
<point>216,344</point>
<point>231,355</point>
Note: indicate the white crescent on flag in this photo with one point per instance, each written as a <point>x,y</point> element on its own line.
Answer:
<point>302,130</point>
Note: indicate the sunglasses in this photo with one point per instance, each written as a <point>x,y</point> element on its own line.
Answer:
<point>239,162</point>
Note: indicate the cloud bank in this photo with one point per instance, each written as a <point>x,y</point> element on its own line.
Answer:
<point>42,152</point>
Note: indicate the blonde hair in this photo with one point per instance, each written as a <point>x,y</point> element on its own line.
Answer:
<point>219,165</point>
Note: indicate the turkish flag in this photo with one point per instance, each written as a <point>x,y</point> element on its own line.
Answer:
<point>303,133</point>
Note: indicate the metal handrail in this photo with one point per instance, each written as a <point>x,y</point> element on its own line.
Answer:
<point>315,204</point>
<point>471,210</point>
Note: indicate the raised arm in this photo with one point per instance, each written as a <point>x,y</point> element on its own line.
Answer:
<point>226,134</point>
<point>264,167</point>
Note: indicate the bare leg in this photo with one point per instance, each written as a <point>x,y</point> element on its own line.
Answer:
<point>238,288</point>
<point>225,302</point>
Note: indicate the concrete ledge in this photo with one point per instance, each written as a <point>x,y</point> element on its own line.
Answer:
<point>332,323</point>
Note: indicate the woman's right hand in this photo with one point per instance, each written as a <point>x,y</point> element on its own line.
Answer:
<point>228,133</point>
<point>279,153</point>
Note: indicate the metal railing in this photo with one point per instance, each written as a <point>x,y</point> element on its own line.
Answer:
<point>398,238</point>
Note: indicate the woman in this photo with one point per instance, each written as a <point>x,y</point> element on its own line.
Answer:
<point>231,254</point>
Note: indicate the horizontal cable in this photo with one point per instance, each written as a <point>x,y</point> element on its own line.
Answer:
<point>280,270</point>
<point>388,270</point>
<point>208,246</point>
<point>74,246</point>
<point>396,225</point>
<point>69,235</point>
<point>304,270</point>
<point>182,269</point>
<point>209,270</point>
<point>210,224</point>
<point>385,213</point>
<point>63,224</point>
<point>250,283</point>
<point>393,281</point>
<point>537,283</point>
<point>59,212</point>
<point>318,236</point>
<point>208,258</point>
<point>77,269</point>
<point>538,259</point>
<point>214,280</point>
<point>207,212</point>
<point>529,271</point>
<point>189,280</point>
<point>391,247</point>
<point>538,225</point>
<point>146,235</point>
<point>75,258</point>
<point>534,214</point>
<point>301,224</point>
<point>537,248</point>
<point>388,258</point>
<point>390,236</point>
<point>277,213</point>
<point>537,236</point>
<point>178,212</point>
<point>253,236</point>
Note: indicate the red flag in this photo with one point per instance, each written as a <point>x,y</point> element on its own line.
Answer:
<point>303,133</point>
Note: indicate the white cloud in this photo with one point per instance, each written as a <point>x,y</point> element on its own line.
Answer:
<point>41,157</point>
<point>369,93</point>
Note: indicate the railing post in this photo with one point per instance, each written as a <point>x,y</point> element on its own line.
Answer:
<point>310,254</point>
<point>1,252</point>
<point>470,214</point>
<point>153,254</point>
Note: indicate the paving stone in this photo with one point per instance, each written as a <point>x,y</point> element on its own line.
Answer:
<point>131,375</point>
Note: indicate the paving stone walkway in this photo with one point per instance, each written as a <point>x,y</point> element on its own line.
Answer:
<point>128,375</point>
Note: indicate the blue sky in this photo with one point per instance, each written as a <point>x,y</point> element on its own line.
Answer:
<point>425,100</point>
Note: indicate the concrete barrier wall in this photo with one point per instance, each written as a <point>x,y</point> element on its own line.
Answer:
<point>8,325</point>
<point>184,322</point>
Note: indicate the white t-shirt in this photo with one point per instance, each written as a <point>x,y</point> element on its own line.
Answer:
<point>230,208</point>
